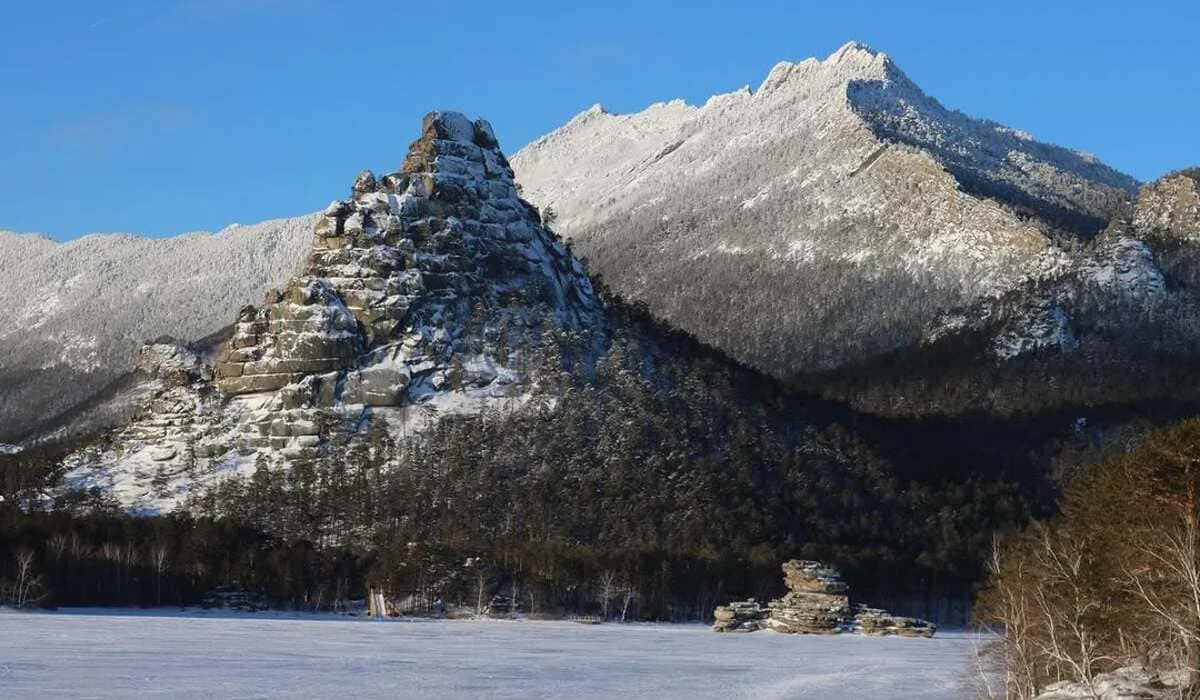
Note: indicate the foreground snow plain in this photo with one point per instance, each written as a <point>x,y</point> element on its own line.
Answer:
<point>137,654</point>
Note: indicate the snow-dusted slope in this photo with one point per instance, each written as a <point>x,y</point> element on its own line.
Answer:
<point>74,313</point>
<point>829,215</point>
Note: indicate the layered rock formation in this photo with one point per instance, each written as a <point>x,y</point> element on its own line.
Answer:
<point>875,622</point>
<point>817,602</point>
<point>433,285</point>
<point>740,616</point>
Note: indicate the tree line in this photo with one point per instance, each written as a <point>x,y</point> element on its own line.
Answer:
<point>657,481</point>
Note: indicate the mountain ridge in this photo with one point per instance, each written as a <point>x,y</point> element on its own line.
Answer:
<point>962,250</point>
<point>796,184</point>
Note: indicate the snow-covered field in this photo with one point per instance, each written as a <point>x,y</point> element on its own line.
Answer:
<point>156,655</point>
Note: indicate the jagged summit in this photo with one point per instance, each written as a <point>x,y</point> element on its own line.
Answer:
<point>854,48</point>
<point>853,61</point>
<point>398,271</point>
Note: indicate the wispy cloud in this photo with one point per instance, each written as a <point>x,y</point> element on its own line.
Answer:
<point>111,127</point>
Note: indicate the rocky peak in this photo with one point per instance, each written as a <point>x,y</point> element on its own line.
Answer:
<point>858,58</point>
<point>434,277</point>
<point>1169,208</point>
<point>854,61</point>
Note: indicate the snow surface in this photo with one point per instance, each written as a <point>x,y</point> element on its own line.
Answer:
<point>134,654</point>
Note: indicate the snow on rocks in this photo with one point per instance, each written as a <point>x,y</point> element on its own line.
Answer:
<point>740,616</point>
<point>1129,683</point>
<point>177,364</point>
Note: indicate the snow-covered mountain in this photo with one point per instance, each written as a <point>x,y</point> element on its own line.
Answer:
<point>76,312</point>
<point>833,214</point>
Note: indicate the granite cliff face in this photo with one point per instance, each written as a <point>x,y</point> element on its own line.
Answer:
<point>417,282</point>
<point>434,288</point>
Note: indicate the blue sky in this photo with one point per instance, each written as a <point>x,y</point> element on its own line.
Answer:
<point>165,116</point>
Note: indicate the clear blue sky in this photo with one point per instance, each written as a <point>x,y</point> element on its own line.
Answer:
<point>164,116</point>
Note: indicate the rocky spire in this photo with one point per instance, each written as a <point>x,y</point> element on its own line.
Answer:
<point>412,284</point>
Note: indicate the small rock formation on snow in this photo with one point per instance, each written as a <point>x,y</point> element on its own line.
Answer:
<point>740,616</point>
<point>817,602</point>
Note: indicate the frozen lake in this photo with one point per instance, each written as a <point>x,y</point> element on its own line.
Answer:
<point>165,655</point>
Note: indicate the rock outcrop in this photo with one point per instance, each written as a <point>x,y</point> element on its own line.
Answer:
<point>880,623</point>
<point>177,364</point>
<point>740,616</point>
<point>1169,208</point>
<point>1129,683</point>
<point>817,602</point>
<point>435,277</point>
<point>398,272</point>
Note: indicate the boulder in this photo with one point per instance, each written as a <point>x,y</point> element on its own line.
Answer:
<point>1130,683</point>
<point>880,623</point>
<point>365,183</point>
<point>740,616</point>
<point>176,364</point>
